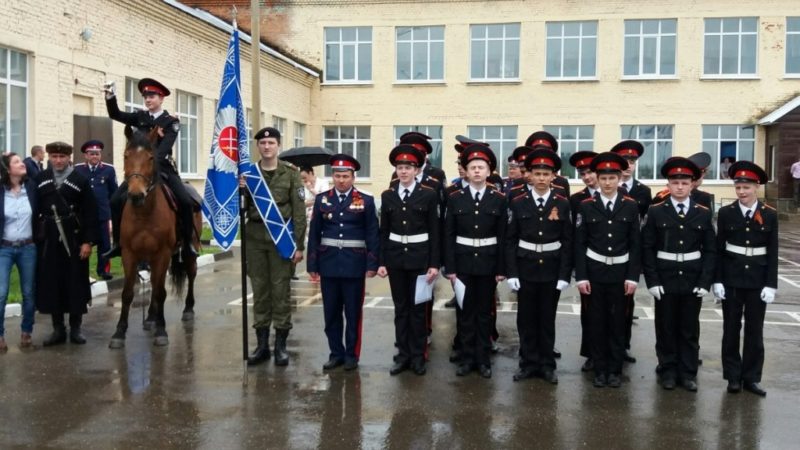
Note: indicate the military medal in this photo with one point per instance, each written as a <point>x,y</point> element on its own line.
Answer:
<point>358,203</point>
<point>553,214</point>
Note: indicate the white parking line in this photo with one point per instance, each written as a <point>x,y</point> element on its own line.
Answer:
<point>781,277</point>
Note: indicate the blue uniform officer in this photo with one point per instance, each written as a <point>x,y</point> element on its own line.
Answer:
<point>103,179</point>
<point>343,249</point>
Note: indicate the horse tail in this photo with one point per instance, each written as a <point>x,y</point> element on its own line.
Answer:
<point>178,273</point>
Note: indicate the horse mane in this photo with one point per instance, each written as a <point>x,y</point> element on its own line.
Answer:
<point>137,138</point>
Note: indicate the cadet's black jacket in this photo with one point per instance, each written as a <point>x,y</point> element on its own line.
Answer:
<point>609,235</point>
<point>418,215</point>
<point>563,184</point>
<point>528,222</point>
<point>668,232</point>
<point>141,120</point>
<point>487,219</point>
<point>576,199</point>
<point>747,272</point>
<point>643,196</point>
<point>701,197</point>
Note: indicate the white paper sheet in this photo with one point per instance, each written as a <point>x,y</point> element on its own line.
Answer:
<point>459,287</point>
<point>424,290</point>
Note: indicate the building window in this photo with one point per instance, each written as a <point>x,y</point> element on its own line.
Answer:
<point>571,50</point>
<point>299,134</point>
<point>730,46</point>
<point>353,141</point>
<point>420,53</point>
<point>348,54</point>
<point>793,45</point>
<point>650,48</point>
<point>133,99</point>
<point>187,112</point>
<point>501,139</point>
<point>494,52</point>
<point>279,123</point>
<point>249,125</point>
<point>657,142</point>
<point>435,132</point>
<point>727,144</point>
<point>571,139</point>
<point>13,101</point>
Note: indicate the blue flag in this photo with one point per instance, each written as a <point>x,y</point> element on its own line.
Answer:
<point>228,153</point>
<point>229,158</point>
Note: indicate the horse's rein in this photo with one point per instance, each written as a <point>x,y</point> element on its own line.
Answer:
<point>150,184</point>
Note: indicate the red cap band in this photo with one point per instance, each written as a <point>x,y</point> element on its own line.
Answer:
<point>155,89</point>
<point>406,157</point>
<point>478,155</point>
<point>680,171</point>
<point>748,174</point>
<point>583,162</point>
<point>542,162</point>
<point>609,165</point>
<point>627,152</point>
<point>344,164</point>
<point>544,142</point>
<point>420,147</point>
<point>93,147</point>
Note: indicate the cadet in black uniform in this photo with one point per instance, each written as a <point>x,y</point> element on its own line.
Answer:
<point>678,256</point>
<point>632,150</point>
<point>549,141</point>
<point>409,230</point>
<point>747,276</point>
<point>702,161</point>
<point>607,265</point>
<point>539,263</point>
<point>475,228</point>
<point>144,121</point>
<point>581,161</point>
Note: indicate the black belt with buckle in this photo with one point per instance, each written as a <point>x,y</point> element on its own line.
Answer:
<point>21,243</point>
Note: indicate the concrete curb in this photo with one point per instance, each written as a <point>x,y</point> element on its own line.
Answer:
<point>13,310</point>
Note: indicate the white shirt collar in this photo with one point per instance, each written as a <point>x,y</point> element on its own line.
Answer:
<point>536,196</point>
<point>752,209</point>
<point>472,191</point>
<point>156,114</point>
<point>464,183</point>
<point>591,191</point>
<point>686,204</point>
<point>605,200</point>
<point>345,193</point>
<point>401,188</point>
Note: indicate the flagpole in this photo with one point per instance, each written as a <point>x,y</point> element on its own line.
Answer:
<point>242,193</point>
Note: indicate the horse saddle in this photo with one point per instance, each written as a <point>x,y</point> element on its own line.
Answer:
<point>193,195</point>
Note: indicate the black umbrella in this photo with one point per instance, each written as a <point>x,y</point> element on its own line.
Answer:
<point>306,156</point>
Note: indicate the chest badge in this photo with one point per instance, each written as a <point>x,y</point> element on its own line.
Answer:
<point>553,214</point>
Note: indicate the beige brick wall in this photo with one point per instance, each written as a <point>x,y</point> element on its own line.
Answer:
<point>136,38</point>
<point>686,102</point>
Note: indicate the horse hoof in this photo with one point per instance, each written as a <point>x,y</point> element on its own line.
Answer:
<point>148,325</point>
<point>187,316</point>
<point>116,343</point>
<point>161,341</point>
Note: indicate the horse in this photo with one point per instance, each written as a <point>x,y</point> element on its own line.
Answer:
<point>148,234</point>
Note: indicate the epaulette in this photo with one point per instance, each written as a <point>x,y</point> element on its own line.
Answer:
<point>590,199</point>
<point>556,186</point>
<point>497,192</point>
<point>698,205</point>
<point>561,197</point>
<point>433,178</point>
<point>426,187</point>
<point>290,165</point>
<point>520,196</point>
<point>768,206</point>
<point>456,191</point>
<point>659,203</point>
<point>627,197</point>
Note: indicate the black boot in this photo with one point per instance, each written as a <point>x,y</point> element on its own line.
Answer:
<point>261,353</point>
<point>116,204</point>
<point>188,232</point>
<point>59,335</point>
<point>75,335</point>
<point>281,356</point>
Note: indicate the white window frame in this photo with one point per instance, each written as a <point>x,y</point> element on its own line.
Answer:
<point>299,134</point>
<point>580,38</point>
<point>580,144</point>
<point>642,35</point>
<point>506,146</point>
<point>279,123</point>
<point>485,42</point>
<point>715,159</point>
<point>193,138</point>
<point>132,95</point>
<point>411,42</point>
<point>651,155</point>
<point>788,34</point>
<point>341,43</point>
<point>437,141</point>
<point>721,34</point>
<point>366,171</point>
<point>7,83</point>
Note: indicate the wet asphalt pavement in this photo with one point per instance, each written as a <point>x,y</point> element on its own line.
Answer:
<point>190,394</point>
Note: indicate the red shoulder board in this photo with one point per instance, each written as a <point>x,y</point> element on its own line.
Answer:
<point>590,199</point>
<point>433,178</point>
<point>561,197</point>
<point>768,206</point>
<point>659,203</point>
<point>556,186</point>
<point>456,192</point>
<point>698,205</point>
<point>516,186</point>
<point>626,197</point>
<point>426,187</point>
<point>497,192</point>
<point>523,195</point>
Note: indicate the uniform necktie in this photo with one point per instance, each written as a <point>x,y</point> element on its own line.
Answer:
<point>477,197</point>
<point>541,202</point>
<point>680,209</point>
<point>625,187</point>
<point>342,197</point>
<point>406,194</point>
<point>609,206</point>
<point>747,215</point>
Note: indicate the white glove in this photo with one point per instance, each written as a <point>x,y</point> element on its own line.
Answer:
<point>561,285</point>
<point>768,294</point>
<point>719,290</point>
<point>513,283</point>
<point>700,292</point>
<point>656,291</point>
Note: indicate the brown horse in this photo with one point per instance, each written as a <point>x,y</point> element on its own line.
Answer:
<point>148,234</point>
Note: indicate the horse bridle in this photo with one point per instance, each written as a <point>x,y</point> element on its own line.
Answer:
<point>149,180</point>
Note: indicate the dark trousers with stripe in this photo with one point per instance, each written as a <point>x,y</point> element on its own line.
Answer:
<point>629,305</point>
<point>586,336</point>
<point>679,336</point>
<point>536,324</point>
<point>475,326</point>
<point>410,327</point>
<point>745,366</point>
<point>343,295</point>
<point>607,326</point>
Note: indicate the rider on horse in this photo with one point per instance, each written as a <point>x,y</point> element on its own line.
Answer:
<point>169,126</point>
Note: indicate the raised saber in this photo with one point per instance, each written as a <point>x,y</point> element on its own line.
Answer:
<point>61,232</point>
